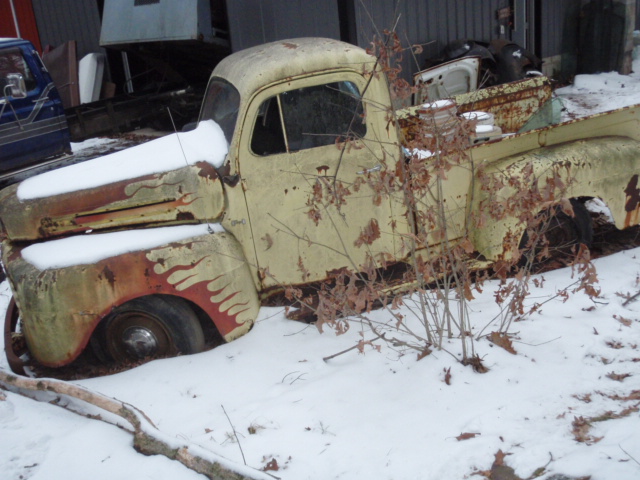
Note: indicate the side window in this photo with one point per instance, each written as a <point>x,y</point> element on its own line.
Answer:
<point>12,61</point>
<point>268,137</point>
<point>308,117</point>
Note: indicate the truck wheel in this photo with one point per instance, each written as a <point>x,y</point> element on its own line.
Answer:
<point>148,327</point>
<point>562,232</point>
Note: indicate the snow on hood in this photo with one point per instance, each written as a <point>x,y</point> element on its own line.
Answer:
<point>89,249</point>
<point>206,143</point>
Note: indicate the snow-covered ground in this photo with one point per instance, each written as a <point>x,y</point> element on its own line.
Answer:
<point>591,94</point>
<point>379,415</point>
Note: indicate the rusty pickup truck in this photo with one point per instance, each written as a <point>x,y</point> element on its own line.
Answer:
<point>155,250</point>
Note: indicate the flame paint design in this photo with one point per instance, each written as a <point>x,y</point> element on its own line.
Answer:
<point>196,273</point>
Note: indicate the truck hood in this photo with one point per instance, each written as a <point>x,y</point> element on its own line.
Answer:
<point>170,180</point>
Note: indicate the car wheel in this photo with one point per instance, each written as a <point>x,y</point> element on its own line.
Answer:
<point>561,232</point>
<point>148,327</point>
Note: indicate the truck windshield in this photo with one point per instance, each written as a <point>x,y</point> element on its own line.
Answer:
<point>221,104</point>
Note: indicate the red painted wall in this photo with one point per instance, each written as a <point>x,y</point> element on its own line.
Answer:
<point>26,21</point>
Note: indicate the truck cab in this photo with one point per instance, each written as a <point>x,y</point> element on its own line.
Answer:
<point>32,120</point>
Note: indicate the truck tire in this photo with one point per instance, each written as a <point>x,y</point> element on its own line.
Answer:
<point>563,232</point>
<point>148,327</point>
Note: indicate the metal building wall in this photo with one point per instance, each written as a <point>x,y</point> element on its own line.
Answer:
<point>252,22</point>
<point>65,20</point>
<point>432,23</point>
<point>559,27</point>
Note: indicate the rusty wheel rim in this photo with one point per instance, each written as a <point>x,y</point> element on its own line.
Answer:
<point>138,335</point>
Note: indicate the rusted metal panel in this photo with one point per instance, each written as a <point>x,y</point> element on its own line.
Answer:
<point>62,63</point>
<point>191,194</point>
<point>60,307</point>
<point>601,167</point>
<point>512,104</point>
<point>632,202</point>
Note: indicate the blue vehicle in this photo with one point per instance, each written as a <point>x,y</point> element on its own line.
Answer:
<point>33,125</point>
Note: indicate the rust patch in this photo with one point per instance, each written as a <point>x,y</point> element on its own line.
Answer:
<point>109,275</point>
<point>184,216</point>
<point>291,46</point>
<point>322,169</point>
<point>135,212</point>
<point>632,202</point>
<point>513,104</point>
<point>207,170</point>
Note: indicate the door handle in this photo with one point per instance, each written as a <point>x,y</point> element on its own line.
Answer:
<point>377,168</point>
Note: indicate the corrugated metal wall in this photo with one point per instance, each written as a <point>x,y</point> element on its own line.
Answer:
<point>252,22</point>
<point>64,20</point>
<point>441,22</point>
<point>432,23</point>
<point>559,27</point>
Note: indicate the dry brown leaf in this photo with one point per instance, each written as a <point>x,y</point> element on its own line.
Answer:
<point>502,340</point>
<point>268,240</point>
<point>618,377</point>
<point>425,352</point>
<point>468,294</point>
<point>467,246</point>
<point>369,234</point>
<point>624,321</point>
<point>580,430</point>
<point>499,458</point>
<point>271,465</point>
<point>466,436</point>
<point>476,364</point>
<point>447,377</point>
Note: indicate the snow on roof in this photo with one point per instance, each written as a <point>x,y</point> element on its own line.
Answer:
<point>206,143</point>
<point>89,249</point>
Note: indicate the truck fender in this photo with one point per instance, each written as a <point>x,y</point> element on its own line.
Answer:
<point>604,167</point>
<point>61,307</point>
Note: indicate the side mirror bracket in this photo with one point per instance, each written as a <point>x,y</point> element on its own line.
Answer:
<point>16,86</point>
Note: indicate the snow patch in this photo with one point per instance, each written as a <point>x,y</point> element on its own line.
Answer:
<point>420,154</point>
<point>204,144</point>
<point>484,128</point>
<point>91,143</point>
<point>596,205</point>
<point>88,249</point>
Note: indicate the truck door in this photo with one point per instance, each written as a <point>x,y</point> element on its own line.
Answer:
<point>288,147</point>
<point>33,127</point>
